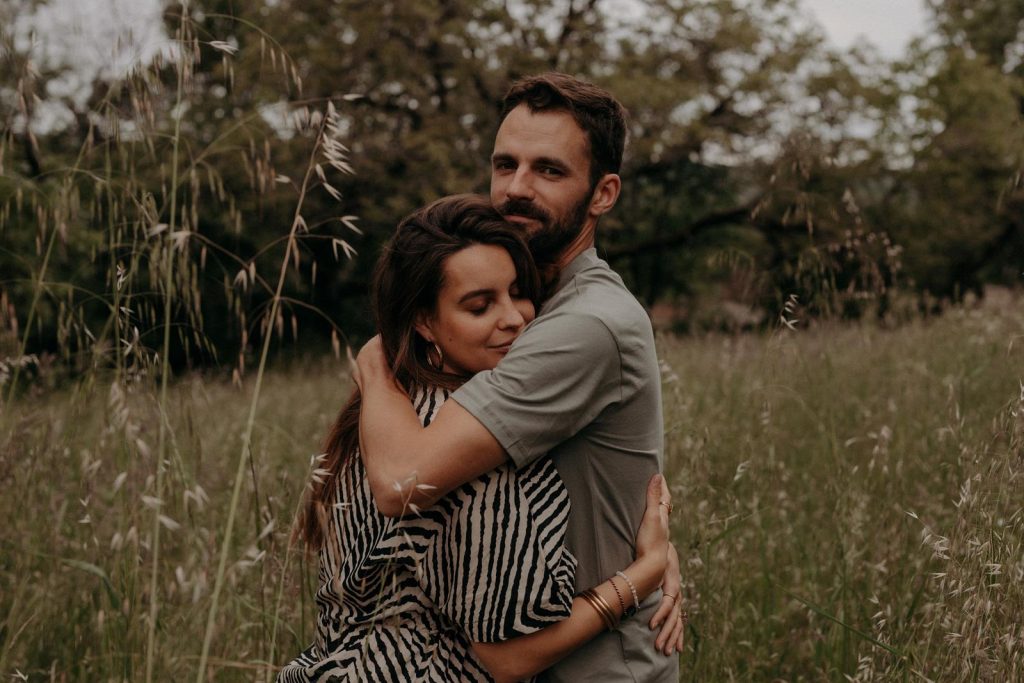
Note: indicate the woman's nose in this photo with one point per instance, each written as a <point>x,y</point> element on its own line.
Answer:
<point>511,316</point>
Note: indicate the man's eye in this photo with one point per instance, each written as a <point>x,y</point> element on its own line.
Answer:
<point>551,171</point>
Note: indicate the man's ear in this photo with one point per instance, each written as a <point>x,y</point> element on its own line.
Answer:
<point>606,193</point>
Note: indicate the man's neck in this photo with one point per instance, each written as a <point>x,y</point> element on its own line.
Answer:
<point>550,273</point>
<point>583,241</point>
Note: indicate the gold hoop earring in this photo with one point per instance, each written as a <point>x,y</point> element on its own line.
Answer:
<point>439,363</point>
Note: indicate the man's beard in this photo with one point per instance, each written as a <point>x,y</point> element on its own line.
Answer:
<point>553,236</point>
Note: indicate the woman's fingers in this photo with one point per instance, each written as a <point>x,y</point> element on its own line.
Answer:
<point>666,639</point>
<point>675,635</point>
<point>671,586</point>
<point>654,486</point>
<point>652,536</point>
<point>664,498</point>
<point>664,611</point>
<point>659,500</point>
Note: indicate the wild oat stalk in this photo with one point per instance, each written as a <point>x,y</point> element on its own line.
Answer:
<point>165,364</point>
<point>334,152</point>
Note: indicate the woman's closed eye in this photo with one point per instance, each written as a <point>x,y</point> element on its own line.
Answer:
<point>478,306</point>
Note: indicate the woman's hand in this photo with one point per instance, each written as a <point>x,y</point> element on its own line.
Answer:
<point>656,553</point>
<point>652,538</point>
<point>668,614</point>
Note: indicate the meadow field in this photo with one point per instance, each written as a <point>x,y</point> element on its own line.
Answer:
<point>848,507</point>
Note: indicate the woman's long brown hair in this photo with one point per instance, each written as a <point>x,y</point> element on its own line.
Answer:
<point>407,279</point>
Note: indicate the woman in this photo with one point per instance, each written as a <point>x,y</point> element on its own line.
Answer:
<point>480,586</point>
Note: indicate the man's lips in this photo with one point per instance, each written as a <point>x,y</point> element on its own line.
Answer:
<point>516,218</point>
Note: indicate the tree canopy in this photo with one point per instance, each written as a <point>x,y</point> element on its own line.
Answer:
<point>762,165</point>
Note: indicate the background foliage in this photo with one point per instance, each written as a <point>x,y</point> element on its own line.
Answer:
<point>762,163</point>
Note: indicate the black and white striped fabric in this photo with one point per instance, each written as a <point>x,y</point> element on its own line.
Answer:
<point>401,600</point>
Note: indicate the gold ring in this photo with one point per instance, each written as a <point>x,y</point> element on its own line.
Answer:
<point>674,597</point>
<point>668,505</point>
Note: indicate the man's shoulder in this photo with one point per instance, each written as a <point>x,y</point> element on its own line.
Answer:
<point>599,293</point>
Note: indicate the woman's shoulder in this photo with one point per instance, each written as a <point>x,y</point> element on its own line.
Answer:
<point>427,400</point>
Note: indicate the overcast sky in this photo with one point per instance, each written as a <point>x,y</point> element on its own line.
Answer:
<point>888,24</point>
<point>103,37</point>
<point>91,28</point>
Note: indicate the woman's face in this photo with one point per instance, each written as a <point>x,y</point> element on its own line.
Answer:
<point>479,313</point>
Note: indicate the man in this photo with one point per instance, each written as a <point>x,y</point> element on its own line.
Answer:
<point>581,384</point>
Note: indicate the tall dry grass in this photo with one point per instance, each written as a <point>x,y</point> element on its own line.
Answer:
<point>75,575</point>
<point>848,508</point>
<point>134,196</point>
<point>851,500</point>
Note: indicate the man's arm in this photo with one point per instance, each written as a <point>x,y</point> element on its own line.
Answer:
<point>405,462</point>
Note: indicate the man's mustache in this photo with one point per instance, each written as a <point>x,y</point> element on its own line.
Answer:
<point>524,208</point>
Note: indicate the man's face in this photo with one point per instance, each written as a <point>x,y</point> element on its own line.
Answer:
<point>540,178</point>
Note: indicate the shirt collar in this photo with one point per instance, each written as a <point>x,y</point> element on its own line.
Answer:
<point>584,260</point>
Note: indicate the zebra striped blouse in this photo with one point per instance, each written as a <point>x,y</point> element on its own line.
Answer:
<point>401,599</point>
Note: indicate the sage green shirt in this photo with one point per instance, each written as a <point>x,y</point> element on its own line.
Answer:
<point>582,384</point>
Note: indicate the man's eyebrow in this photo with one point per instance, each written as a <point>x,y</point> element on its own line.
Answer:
<point>475,293</point>
<point>501,156</point>
<point>550,161</point>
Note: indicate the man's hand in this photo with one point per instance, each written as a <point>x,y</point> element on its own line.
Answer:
<point>668,615</point>
<point>371,365</point>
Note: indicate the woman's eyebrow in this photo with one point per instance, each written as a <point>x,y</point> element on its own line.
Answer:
<point>475,293</point>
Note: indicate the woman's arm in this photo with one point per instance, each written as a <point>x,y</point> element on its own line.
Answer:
<point>524,656</point>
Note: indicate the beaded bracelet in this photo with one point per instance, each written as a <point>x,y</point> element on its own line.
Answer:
<point>636,599</point>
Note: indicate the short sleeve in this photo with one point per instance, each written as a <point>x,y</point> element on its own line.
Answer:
<point>498,567</point>
<point>559,375</point>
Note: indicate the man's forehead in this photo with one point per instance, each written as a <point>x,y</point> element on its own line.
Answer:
<point>553,133</point>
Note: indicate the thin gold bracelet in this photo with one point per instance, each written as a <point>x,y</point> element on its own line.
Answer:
<point>600,606</point>
<point>588,598</point>
<point>613,619</point>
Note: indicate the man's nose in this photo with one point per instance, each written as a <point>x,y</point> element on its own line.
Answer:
<point>520,186</point>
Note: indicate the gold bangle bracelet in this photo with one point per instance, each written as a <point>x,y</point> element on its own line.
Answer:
<point>600,606</point>
<point>590,601</point>
<point>613,619</point>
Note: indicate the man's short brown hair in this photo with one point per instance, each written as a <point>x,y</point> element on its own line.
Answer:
<point>595,110</point>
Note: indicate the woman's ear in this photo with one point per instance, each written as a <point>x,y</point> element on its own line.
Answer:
<point>422,326</point>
